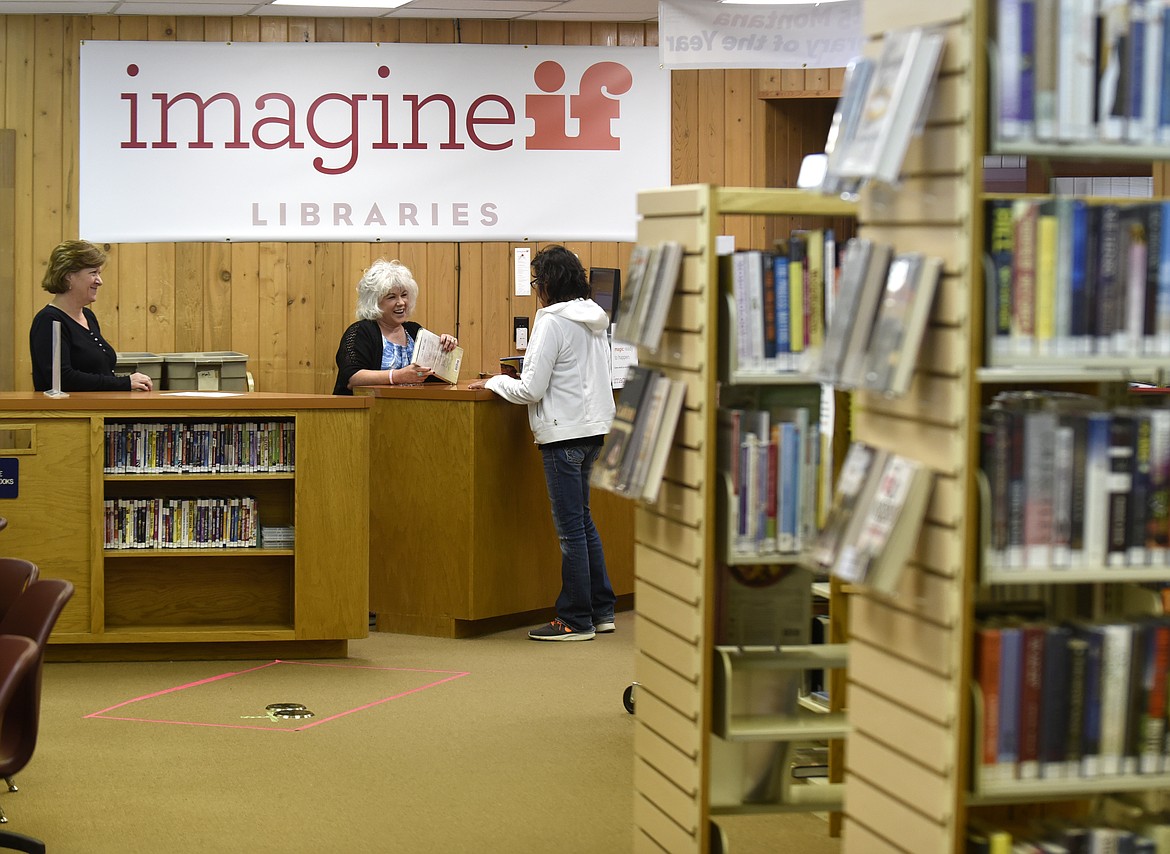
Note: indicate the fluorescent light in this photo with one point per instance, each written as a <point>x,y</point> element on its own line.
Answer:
<point>344,4</point>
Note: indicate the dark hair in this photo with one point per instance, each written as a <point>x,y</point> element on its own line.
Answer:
<point>69,257</point>
<point>559,276</point>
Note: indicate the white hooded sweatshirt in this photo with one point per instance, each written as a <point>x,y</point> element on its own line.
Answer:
<point>566,378</point>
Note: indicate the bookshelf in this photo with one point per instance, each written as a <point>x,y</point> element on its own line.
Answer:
<point>915,714</point>
<point>686,683</point>
<point>156,601</point>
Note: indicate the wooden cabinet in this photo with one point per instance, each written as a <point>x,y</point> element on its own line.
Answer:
<point>305,600</point>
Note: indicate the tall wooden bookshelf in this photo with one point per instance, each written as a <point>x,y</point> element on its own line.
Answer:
<point>908,775</point>
<point>676,538</point>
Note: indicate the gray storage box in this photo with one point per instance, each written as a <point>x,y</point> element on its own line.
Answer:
<point>220,370</point>
<point>150,364</point>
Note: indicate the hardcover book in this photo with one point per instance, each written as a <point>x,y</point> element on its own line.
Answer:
<point>894,104</point>
<point>861,461</point>
<point>428,354</point>
<point>901,322</point>
<point>891,523</point>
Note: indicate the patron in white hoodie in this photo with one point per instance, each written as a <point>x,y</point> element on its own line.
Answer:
<point>567,388</point>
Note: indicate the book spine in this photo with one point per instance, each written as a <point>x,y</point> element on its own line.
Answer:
<point>1139,500</point>
<point>1031,680</point>
<point>1107,283</point>
<point>816,288</point>
<point>1113,83</point>
<point>1062,498</point>
<point>1054,703</point>
<point>1135,56</point>
<point>1039,484</point>
<point>1161,345</point>
<point>1073,752</point>
<point>1079,426</point>
<point>1045,280</point>
<point>1080,343</point>
<point>1154,678</point>
<point>1097,475</point>
<point>1010,683</point>
<point>1001,240</point>
<point>1157,535</point>
<point>1025,214</point>
<point>1119,486</point>
<point>768,316</point>
<point>797,254</point>
<point>1094,637</point>
<point>781,302</point>
<point>987,668</point>
<point>1115,671</point>
<point>1149,319</point>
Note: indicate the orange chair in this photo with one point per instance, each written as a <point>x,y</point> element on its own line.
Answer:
<point>15,576</point>
<point>31,616</point>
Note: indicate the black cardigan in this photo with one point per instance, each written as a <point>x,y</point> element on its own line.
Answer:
<point>361,350</point>
<point>87,359</point>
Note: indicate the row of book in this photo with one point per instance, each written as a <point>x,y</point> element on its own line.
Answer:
<point>781,299</point>
<point>652,276</point>
<point>181,523</point>
<point>1075,700</point>
<point>159,447</point>
<point>1067,839</point>
<point>1074,484</point>
<point>1077,71</point>
<point>772,459</point>
<point>879,318</point>
<point>633,460</point>
<point>1071,279</point>
<point>873,525</point>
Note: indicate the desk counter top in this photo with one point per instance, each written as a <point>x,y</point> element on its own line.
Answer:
<point>188,401</point>
<point>425,391</point>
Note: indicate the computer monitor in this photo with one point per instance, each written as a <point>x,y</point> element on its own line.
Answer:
<point>606,283</point>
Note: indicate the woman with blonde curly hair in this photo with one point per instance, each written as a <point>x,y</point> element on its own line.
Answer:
<point>376,348</point>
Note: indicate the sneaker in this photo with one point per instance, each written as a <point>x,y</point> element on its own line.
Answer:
<point>605,626</point>
<point>558,631</point>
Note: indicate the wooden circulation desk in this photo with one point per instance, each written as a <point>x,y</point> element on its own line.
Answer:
<point>461,533</point>
<point>306,600</point>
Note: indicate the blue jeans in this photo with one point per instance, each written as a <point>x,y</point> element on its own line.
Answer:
<point>586,596</point>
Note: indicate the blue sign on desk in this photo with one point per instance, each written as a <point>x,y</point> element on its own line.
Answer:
<point>9,477</point>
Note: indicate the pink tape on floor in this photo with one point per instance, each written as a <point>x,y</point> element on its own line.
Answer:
<point>455,674</point>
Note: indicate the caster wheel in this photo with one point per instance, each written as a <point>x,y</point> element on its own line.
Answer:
<point>628,698</point>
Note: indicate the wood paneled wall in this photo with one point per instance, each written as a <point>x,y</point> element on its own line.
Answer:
<point>286,304</point>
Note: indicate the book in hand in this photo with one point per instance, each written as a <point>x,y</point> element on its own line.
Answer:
<point>891,522</point>
<point>894,105</point>
<point>900,324</point>
<point>429,354</point>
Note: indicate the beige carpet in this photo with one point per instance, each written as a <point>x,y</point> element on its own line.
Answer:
<point>418,745</point>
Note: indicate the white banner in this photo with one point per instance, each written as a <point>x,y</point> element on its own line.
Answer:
<point>363,142</point>
<point>705,34</point>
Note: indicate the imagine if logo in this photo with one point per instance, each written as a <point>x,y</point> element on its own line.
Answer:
<point>379,121</point>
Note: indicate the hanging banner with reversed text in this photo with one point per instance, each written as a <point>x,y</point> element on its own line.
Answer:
<point>366,142</point>
<point>704,34</point>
